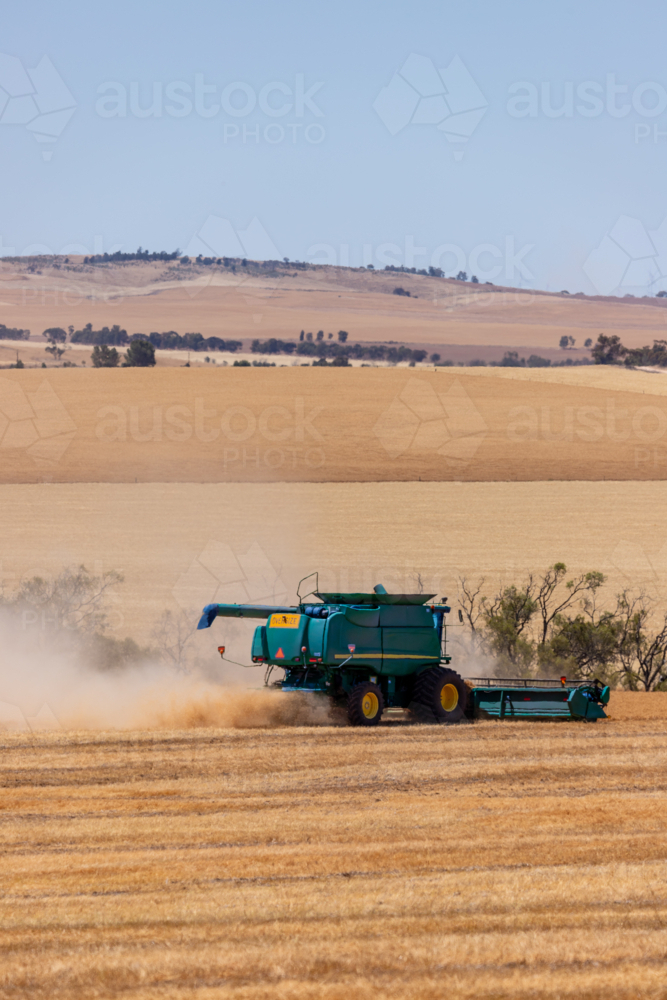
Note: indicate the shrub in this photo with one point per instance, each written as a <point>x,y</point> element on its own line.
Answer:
<point>140,354</point>
<point>609,350</point>
<point>104,356</point>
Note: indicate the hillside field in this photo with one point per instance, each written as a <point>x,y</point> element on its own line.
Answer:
<point>332,425</point>
<point>272,300</point>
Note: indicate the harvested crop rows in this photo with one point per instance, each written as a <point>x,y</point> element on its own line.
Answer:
<point>485,860</point>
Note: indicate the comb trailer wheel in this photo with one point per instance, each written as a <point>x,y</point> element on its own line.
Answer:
<point>440,695</point>
<point>365,704</point>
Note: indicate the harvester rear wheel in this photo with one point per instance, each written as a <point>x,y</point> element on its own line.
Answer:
<point>441,694</point>
<point>365,704</point>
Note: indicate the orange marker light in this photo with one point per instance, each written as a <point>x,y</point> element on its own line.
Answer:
<point>221,650</point>
<point>562,680</point>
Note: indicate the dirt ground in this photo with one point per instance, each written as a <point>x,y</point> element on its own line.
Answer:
<point>486,860</point>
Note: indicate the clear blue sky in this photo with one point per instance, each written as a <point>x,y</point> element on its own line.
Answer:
<point>325,163</point>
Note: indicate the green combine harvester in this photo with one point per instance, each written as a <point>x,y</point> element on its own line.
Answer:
<point>369,652</point>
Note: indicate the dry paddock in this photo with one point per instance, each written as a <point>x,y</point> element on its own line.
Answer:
<point>485,860</point>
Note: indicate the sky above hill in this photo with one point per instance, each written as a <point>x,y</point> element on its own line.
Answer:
<point>523,143</point>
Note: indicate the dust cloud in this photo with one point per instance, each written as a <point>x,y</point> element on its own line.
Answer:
<point>46,683</point>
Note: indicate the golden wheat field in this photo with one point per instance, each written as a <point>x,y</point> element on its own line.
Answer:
<point>331,425</point>
<point>183,545</point>
<point>485,860</point>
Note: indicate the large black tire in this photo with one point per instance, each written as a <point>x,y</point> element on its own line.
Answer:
<point>365,704</point>
<point>440,695</point>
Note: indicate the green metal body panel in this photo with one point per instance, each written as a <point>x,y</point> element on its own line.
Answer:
<point>340,634</point>
<point>260,649</point>
<point>316,627</point>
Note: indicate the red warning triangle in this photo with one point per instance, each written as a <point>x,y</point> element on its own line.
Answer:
<point>280,655</point>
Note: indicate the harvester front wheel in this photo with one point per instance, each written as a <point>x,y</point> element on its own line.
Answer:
<point>365,704</point>
<point>441,693</point>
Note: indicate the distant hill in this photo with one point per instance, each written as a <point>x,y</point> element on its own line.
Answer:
<point>230,299</point>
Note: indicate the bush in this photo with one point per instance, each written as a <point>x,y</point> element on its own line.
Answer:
<point>535,361</point>
<point>104,356</point>
<point>401,291</point>
<point>140,354</point>
<point>609,350</point>
<point>241,364</point>
<point>511,360</point>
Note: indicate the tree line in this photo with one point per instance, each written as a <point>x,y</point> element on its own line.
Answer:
<point>322,349</point>
<point>552,626</point>
<point>13,333</point>
<point>140,254</point>
<point>170,340</point>
<point>609,350</point>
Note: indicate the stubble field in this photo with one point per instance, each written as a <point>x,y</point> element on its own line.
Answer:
<point>488,860</point>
